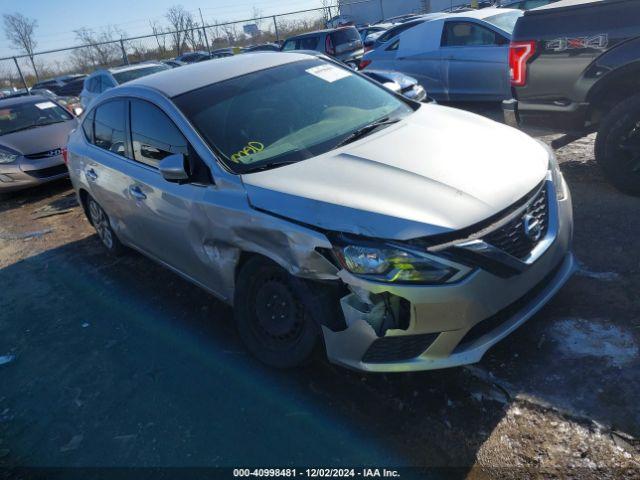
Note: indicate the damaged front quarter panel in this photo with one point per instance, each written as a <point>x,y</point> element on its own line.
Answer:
<point>225,227</point>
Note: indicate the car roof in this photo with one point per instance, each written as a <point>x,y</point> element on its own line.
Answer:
<point>320,32</point>
<point>191,77</point>
<point>126,68</point>
<point>10,102</point>
<point>482,13</point>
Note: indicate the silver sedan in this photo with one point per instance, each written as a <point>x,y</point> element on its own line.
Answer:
<point>327,209</point>
<point>33,136</point>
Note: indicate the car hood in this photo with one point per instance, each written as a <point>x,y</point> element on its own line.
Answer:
<point>41,139</point>
<point>439,170</point>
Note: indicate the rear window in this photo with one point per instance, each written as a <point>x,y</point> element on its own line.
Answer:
<point>345,35</point>
<point>504,21</point>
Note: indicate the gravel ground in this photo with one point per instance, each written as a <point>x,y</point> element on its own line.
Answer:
<point>118,362</point>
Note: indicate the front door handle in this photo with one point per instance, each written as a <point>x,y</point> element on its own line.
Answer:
<point>137,193</point>
<point>91,174</point>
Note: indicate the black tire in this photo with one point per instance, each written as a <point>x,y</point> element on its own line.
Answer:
<point>618,146</point>
<point>100,221</point>
<point>276,314</point>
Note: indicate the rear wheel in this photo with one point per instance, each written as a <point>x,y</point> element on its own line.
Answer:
<point>102,224</point>
<point>274,314</point>
<point>618,146</point>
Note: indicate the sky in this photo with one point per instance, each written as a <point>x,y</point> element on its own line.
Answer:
<point>57,19</point>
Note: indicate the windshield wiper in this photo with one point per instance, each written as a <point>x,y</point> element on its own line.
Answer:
<point>366,130</point>
<point>267,166</point>
<point>29,127</point>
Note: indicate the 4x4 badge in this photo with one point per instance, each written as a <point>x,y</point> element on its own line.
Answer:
<point>596,42</point>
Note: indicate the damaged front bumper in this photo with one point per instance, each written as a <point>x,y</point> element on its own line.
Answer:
<point>449,325</point>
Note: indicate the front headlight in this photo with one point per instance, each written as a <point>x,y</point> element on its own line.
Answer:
<point>7,157</point>
<point>556,173</point>
<point>558,179</point>
<point>387,263</point>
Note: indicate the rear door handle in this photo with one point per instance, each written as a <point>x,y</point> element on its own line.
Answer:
<point>137,193</point>
<point>91,174</point>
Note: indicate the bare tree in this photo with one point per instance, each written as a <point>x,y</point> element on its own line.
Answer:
<point>230,31</point>
<point>180,20</point>
<point>102,47</point>
<point>193,34</point>
<point>326,10</point>
<point>160,34</point>
<point>20,31</point>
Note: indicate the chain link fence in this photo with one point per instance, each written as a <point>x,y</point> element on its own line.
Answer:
<point>221,38</point>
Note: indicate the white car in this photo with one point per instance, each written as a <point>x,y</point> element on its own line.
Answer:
<point>104,79</point>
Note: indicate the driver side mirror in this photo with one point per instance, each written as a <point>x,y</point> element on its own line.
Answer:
<point>174,168</point>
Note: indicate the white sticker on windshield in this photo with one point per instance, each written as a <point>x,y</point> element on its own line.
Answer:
<point>329,73</point>
<point>45,105</point>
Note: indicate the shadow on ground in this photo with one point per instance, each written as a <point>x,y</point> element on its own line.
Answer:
<point>120,362</point>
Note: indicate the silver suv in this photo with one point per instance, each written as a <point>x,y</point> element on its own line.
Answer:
<point>328,210</point>
<point>102,80</point>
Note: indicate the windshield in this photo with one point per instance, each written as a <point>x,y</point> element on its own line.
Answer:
<point>128,75</point>
<point>31,114</point>
<point>287,113</point>
<point>505,21</point>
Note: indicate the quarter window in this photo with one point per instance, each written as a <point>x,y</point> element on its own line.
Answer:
<point>109,127</point>
<point>464,34</point>
<point>154,136</point>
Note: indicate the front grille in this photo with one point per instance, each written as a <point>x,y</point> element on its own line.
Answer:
<point>48,154</point>
<point>512,239</point>
<point>48,172</point>
<point>396,349</point>
<point>494,322</point>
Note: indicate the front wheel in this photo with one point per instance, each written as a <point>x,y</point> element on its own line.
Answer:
<point>618,146</point>
<point>274,314</point>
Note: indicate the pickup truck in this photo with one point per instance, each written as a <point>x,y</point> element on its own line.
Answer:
<point>575,69</point>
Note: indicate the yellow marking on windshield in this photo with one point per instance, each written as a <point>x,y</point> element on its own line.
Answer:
<point>250,149</point>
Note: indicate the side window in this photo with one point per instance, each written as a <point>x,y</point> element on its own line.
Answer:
<point>289,45</point>
<point>394,46</point>
<point>109,127</point>
<point>309,43</point>
<point>464,34</point>
<point>153,135</point>
<point>87,126</point>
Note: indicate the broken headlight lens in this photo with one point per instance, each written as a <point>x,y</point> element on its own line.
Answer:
<point>391,264</point>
